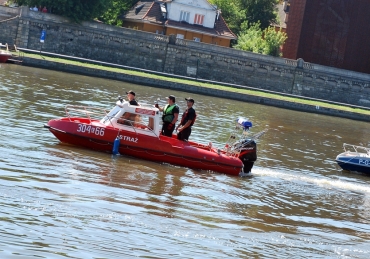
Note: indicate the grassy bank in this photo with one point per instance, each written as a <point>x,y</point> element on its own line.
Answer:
<point>261,94</point>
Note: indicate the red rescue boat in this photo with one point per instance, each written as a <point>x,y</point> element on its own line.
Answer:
<point>139,136</point>
<point>4,56</point>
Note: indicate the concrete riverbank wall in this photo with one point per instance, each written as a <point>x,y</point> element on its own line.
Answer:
<point>167,54</point>
<point>41,63</point>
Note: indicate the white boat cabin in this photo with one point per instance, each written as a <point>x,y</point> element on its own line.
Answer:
<point>140,119</point>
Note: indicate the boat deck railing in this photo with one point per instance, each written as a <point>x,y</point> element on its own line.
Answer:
<point>356,149</point>
<point>91,113</point>
<point>239,140</point>
<point>94,113</point>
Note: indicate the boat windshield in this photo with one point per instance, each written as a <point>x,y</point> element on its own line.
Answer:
<point>136,120</point>
<point>356,149</point>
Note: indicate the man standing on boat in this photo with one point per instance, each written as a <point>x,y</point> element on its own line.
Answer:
<point>187,120</point>
<point>170,115</point>
<point>131,98</point>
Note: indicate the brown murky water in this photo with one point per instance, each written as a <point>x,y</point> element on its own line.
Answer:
<point>60,201</point>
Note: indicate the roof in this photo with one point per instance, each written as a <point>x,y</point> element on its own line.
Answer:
<point>150,11</point>
<point>145,10</point>
<point>221,29</point>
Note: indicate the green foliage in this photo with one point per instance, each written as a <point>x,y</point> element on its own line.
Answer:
<point>260,14</point>
<point>231,12</point>
<point>273,41</point>
<point>238,12</point>
<point>113,15</point>
<point>251,39</point>
<point>78,10</point>
<point>262,11</point>
<point>266,42</point>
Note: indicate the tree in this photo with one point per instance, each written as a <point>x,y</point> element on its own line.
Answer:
<point>114,14</point>
<point>238,12</point>
<point>273,41</point>
<point>231,12</point>
<point>262,11</point>
<point>78,10</point>
<point>250,39</point>
<point>266,42</point>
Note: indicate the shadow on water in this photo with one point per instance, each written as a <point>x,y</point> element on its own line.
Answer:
<point>162,183</point>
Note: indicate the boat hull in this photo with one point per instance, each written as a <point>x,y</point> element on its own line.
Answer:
<point>4,57</point>
<point>353,162</point>
<point>159,149</point>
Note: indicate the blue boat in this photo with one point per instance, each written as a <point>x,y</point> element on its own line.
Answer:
<point>354,158</point>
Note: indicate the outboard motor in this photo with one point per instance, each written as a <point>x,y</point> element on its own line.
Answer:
<point>243,145</point>
<point>248,154</point>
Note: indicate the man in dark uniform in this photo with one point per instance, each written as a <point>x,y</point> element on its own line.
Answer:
<point>170,116</point>
<point>187,120</point>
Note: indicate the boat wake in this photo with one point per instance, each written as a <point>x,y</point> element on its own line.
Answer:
<point>320,181</point>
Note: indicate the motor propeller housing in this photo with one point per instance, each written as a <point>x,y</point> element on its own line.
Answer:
<point>248,154</point>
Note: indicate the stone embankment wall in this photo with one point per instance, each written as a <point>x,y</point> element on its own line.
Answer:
<point>161,53</point>
<point>9,19</point>
<point>193,89</point>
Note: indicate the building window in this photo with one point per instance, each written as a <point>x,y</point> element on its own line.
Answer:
<point>180,36</point>
<point>198,19</point>
<point>196,39</point>
<point>184,16</point>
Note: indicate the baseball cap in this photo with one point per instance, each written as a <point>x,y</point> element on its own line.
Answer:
<point>171,97</point>
<point>189,99</point>
<point>131,92</point>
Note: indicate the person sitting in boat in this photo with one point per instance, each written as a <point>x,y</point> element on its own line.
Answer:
<point>170,115</point>
<point>129,118</point>
<point>187,120</point>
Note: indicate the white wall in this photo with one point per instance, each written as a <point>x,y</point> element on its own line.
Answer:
<point>193,7</point>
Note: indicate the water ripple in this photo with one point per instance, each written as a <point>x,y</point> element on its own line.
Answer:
<point>62,201</point>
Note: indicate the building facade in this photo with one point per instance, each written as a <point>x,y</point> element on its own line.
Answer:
<point>196,20</point>
<point>330,32</point>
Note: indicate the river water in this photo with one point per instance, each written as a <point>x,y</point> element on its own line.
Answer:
<point>61,201</point>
